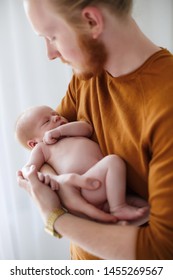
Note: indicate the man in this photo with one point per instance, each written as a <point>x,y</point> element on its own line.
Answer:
<point>123,85</point>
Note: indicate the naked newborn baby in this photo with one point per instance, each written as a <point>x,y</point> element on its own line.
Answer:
<point>66,147</point>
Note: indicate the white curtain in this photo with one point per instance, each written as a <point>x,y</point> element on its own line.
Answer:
<point>27,78</point>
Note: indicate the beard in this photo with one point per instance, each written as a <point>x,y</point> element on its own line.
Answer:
<point>95,56</point>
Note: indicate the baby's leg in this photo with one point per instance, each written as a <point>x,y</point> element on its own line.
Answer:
<point>116,191</point>
<point>98,196</point>
<point>111,172</point>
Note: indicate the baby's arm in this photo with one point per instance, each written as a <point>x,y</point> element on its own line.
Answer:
<point>37,158</point>
<point>78,128</point>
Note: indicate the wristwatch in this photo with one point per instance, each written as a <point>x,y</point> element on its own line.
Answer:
<point>53,216</point>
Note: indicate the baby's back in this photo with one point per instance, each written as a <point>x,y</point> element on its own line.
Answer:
<point>73,155</point>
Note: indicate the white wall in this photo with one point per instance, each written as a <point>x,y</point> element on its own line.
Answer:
<point>155,17</point>
<point>27,78</point>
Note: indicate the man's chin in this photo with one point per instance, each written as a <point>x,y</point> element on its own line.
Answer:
<point>82,75</point>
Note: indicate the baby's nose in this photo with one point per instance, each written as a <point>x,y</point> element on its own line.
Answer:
<point>56,118</point>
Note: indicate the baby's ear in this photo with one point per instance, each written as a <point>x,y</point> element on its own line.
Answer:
<point>31,143</point>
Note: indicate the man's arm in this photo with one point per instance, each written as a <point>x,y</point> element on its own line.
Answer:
<point>103,240</point>
<point>106,241</point>
<point>78,128</point>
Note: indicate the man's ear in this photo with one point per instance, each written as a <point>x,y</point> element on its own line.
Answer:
<point>94,18</point>
<point>31,143</point>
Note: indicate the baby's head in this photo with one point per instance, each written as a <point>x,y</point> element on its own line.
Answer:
<point>34,122</point>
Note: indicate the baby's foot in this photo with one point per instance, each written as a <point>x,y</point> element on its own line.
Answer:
<point>127,212</point>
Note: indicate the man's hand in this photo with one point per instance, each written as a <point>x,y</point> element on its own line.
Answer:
<point>25,171</point>
<point>43,196</point>
<point>137,201</point>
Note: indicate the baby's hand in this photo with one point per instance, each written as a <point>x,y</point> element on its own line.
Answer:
<point>48,180</point>
<point>51,137</point>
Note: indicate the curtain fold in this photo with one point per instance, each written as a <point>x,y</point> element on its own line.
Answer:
<point>27,78</point>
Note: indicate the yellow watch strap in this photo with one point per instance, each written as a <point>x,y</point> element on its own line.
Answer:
<point>53,216</point>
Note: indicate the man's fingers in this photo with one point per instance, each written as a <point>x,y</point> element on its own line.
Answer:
<point>136,201</point>
<point>54,185</point>
<point>23,183</point>
<point>32,175</point>
<point>20,177</point>
<point>123,223</point>
<point>19,173</point>
<point>40,176</point>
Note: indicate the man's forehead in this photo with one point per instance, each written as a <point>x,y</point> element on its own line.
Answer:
<point>36,11</point>
<point>43,19</point>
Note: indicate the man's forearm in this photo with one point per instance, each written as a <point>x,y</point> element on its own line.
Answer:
<point>102,240</point>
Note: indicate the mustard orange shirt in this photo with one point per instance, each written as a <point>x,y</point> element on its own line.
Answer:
<point>132,116</point>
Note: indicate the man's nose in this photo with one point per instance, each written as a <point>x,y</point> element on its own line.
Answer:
<point>52,52</point>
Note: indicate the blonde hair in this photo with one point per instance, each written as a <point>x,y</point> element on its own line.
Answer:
<point>71,9</point>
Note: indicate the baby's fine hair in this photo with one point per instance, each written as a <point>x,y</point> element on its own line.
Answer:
<point>22,132</point>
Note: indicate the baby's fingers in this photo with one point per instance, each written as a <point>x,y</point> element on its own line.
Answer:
<point>44,178</point>
<point>54,185</point>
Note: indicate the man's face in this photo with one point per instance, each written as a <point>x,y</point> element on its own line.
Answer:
<point>85,55</point>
